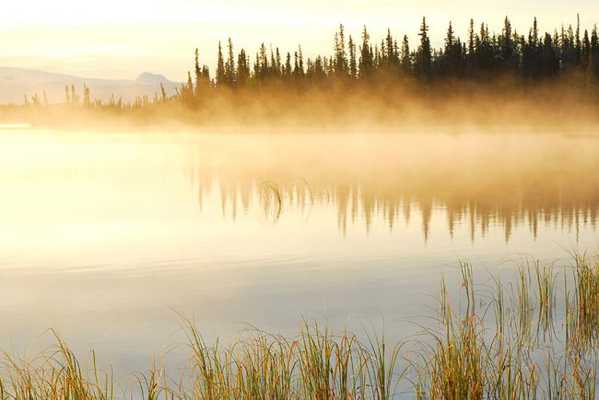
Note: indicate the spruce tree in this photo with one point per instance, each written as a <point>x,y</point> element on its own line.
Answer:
<point>507,45</point>
<point>366,57</point>
<point>230,65</point>
<point>424,55</point>
<point>340,54</point>
<point>451,54</point>
<point>594,53</point>
<point>198,73</point>
<point>406,58</point>
<point>243,68</point>
<point>295,65</point>
<point>263,62</point>
<point>353,65</point>
<point>221,76</point>
<point>277,65</point>
<point>300,63</point>
<point>206,75</point>
<point>578,42</point>
<point>389,49</point>
<point>586,51</point>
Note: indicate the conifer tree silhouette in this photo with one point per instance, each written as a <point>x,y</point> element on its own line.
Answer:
<point>221,75</point>
<point>424,55</point>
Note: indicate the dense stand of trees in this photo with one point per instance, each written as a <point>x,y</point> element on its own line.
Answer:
<point>482,56</point>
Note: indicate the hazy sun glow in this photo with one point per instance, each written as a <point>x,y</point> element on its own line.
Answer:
<point>86,38</point>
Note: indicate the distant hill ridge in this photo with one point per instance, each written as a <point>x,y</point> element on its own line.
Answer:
<point>16,83</point>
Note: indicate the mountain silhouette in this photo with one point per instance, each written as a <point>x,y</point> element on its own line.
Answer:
<point>15,83</point>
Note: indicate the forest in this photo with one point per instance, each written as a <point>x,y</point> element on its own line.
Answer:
<point>482,55</point>
<point>368,80</point>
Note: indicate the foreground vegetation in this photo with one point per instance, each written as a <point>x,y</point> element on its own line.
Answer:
<point>508,341</point>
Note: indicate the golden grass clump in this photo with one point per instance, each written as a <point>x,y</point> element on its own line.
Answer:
<point>485,349</point>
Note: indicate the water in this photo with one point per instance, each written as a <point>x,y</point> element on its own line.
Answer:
<point>109,238</point>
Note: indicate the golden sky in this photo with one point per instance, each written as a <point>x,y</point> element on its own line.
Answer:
<point>122,38</point>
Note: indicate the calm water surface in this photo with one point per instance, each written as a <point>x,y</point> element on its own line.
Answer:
<point>106,237</point>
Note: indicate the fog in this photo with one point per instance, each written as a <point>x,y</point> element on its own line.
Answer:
<point>563,106</point>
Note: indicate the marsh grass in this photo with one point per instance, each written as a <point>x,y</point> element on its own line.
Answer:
<point>54,376</point>
<point>498,354</point>
<point>545,277</point>
<point>455,367</point>
<point>585,309</point>
<point>315,365</point>
<point>525,307</point>
<point>486,349</point>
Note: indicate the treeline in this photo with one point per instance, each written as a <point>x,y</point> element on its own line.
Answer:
<point>482,55</point>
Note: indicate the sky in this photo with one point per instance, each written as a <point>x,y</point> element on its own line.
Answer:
<point>119,39</point>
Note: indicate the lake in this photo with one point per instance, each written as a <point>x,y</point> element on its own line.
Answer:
<point>109,238</point>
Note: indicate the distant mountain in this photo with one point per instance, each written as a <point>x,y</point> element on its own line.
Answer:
<point>16,83</point>
<point>148,78</point>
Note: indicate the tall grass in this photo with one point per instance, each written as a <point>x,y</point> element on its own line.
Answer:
<point>545,277</point>
<point>315,366</point>
<point>585,309</point>
<point>525,307</point>
<point>55,376</point>
<point>469,353</point>
<point>456,364</point>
